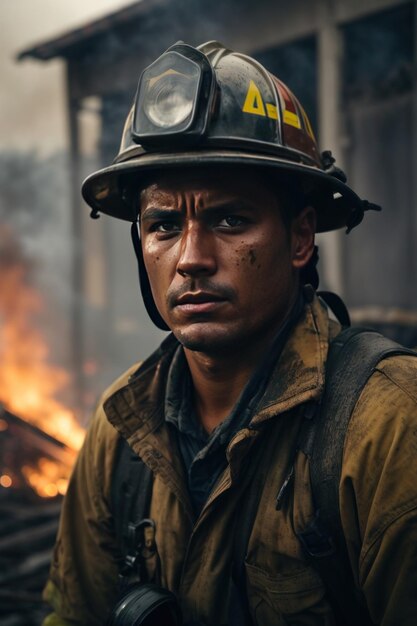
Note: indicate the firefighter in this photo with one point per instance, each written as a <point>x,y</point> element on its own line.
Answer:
<point>201,494</point>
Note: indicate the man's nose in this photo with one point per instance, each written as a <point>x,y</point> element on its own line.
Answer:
<point>197,253</point>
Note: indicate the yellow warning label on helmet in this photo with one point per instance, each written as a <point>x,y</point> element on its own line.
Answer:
<point>254,103</point>
<point>292,119</point>
<point>272,111</point>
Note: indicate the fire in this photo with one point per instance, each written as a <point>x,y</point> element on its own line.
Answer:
<point>28,383</point>
<point>46,479</point>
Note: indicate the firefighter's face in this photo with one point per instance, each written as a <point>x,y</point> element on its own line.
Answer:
<point>222,265</point>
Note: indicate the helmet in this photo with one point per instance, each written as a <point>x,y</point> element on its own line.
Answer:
<point>208,105</point>
<point>204,106</point>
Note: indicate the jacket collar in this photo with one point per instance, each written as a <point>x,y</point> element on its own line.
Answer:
<point>298,376</point>
<point>137,409</point>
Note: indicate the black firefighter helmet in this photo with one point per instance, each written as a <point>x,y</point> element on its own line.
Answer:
<point>204,106</point>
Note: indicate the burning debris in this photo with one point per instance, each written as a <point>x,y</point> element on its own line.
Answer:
<point>34,470</point>
<point>32,459</point>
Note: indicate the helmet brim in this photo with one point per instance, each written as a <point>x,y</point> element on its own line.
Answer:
<point>115,190</point>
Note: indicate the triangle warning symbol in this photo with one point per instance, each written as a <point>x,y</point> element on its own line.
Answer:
<point>253,101</point>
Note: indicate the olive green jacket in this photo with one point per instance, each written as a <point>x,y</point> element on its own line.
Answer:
<point>378,498</point>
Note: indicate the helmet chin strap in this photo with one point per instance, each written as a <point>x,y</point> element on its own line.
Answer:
<point>144,281</point>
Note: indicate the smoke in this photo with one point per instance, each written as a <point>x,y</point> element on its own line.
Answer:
<point>33,202</point>
<point>34,224</point>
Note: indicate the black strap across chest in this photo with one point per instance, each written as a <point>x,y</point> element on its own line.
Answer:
<point>130,498</point>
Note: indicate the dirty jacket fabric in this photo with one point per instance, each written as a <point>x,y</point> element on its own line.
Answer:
<point>378,497</point>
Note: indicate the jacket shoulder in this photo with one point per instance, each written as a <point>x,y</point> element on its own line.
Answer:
<point>387,405</point>
<point>402,372</point>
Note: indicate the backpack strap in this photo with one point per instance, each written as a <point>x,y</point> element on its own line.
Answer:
<point>352,358</point>
<point>336,304</point>
<point>131,494</point>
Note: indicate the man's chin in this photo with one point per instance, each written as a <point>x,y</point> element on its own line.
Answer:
<point>208,338</point>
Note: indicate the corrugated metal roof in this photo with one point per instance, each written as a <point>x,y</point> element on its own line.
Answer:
<point>63,46</point>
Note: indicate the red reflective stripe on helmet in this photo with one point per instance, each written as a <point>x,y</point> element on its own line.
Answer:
<point>290,112</point>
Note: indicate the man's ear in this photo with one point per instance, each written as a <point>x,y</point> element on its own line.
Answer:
<point>303,229</point>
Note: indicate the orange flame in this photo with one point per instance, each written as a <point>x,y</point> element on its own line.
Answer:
<point>28,383</point>
<point>46,479</point>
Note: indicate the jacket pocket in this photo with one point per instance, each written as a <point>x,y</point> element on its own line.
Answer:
<point>293,599</point>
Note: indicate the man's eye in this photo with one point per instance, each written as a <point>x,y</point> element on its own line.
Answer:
<point>165,227</point>
<point>231,221</point>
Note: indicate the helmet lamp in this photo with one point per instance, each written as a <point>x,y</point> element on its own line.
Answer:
<point>173,97</point>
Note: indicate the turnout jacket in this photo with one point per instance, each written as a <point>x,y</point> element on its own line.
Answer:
<point>378,497</point>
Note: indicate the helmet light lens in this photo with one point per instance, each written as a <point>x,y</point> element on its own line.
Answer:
<point>167,96</point>
<point>170,100</point>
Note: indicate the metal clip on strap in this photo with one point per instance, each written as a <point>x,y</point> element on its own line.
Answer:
<point>135,543</point>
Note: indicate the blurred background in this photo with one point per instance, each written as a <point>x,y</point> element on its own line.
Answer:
<point>71,318</point>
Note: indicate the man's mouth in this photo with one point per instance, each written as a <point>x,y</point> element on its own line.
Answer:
<point>198,302</point>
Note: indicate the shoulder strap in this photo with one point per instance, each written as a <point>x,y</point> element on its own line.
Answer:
<point>336,304</point>
<point>353,356</point>
<point>130,495</point>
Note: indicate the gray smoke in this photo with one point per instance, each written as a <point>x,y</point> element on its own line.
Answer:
<point>34,225</point>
